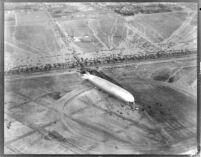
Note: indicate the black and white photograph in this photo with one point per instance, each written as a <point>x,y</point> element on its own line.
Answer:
<point>100,78</point>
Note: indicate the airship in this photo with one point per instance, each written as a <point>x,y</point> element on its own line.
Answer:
<point>110,88</point>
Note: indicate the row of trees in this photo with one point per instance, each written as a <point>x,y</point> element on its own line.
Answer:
<point>95,62</point>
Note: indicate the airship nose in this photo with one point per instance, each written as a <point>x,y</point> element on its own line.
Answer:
<point>130,98</point>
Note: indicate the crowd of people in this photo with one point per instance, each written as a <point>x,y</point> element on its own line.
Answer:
<point>112,59</point>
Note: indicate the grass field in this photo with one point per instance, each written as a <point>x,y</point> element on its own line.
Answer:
<point>138,42</point>
<point>186,36</point>
<point>39,38</point>
<point>60,113</point>
<point>94,29</point>
<point>33,36</point>
<point>104,32</point>
<point>33,18</point>
<point>22,48</point>
<point>80,29</point>
<point>163,24</point>
<point>77,28</point>
<point>111,30</point>
<point>87,120</point>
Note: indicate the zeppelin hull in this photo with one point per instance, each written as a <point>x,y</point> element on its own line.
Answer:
<point>110,88</point>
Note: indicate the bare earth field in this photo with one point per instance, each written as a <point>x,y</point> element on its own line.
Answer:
<point>157,22</point>
<point>32,39</point>
<point>91,30</point>
<point>52,110</point>
<point>70,115</point>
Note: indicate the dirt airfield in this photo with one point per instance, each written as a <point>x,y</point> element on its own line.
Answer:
<point>69,114</point>
<point>57,112</point>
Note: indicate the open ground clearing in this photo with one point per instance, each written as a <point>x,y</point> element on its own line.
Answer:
<point>70,115</point>
<point>91,30</point>
<point>60,113</point>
